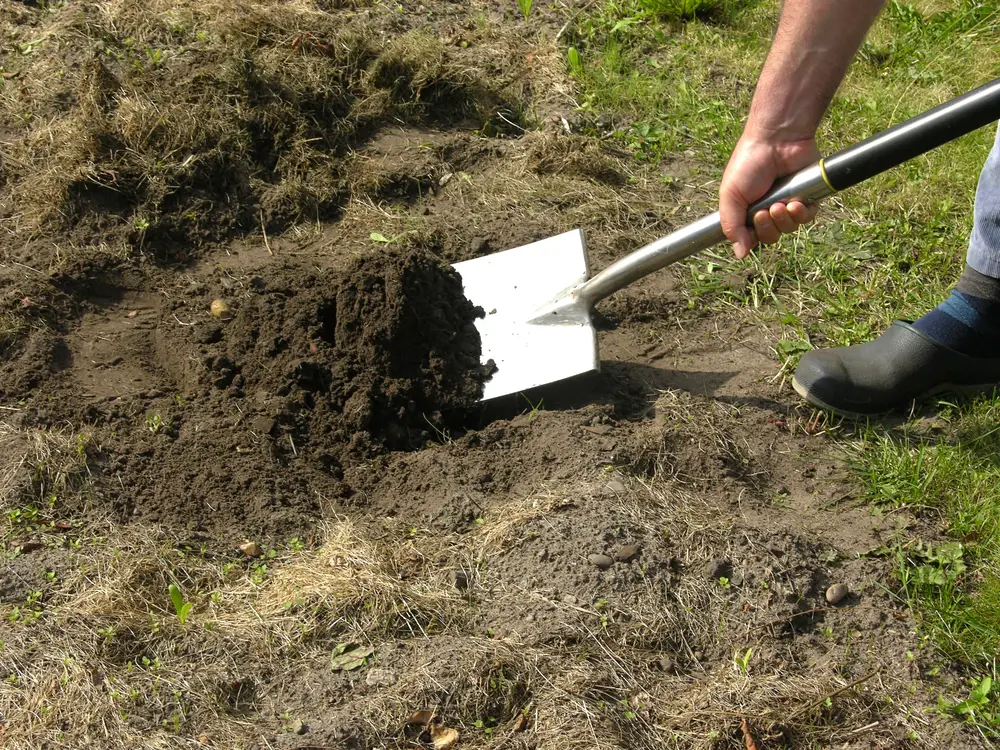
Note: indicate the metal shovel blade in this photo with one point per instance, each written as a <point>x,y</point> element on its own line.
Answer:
<point>511,286</point>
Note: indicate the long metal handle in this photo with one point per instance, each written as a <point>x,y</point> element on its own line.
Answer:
<point>808,186</point>
<point>844,169</point>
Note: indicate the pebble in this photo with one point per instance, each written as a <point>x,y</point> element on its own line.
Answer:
<point>298,727</point>
<point>627,553</point>
<point>251,549</point>
<point>601,561</point>
<point>836,593</point>
<point>667,665</point>
<point>220,309</point>
<point>381,678</point>
<point>569,599</point>
<point>460,579</point>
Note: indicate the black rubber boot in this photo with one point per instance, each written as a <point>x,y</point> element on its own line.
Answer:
<point>901,366</point>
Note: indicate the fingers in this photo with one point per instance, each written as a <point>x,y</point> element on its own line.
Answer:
<point>782,219</point>
<point>767,232</point>
<point>801,213</point>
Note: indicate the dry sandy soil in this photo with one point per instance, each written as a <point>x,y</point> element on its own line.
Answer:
<point>586,572</point>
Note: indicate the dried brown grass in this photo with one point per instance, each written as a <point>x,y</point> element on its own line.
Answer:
<point>107,661</point>
<point>192,120</point>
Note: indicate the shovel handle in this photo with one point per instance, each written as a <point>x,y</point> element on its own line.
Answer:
<point>842,170</point>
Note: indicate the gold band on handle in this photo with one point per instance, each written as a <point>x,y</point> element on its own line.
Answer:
<point>822,171</point>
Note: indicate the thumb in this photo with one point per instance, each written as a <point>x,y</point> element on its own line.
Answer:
<point>733,214</point>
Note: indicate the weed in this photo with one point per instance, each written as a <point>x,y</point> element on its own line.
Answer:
<point>525,6</point>
<point>742,663</point>
<point>980,707</point>
<point>181,607</point>
<point>154,423</point>
<point>534,408</point>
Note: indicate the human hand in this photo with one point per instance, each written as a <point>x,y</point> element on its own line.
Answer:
<point>753,168</point>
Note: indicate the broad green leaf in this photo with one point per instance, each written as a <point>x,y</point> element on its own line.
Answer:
<point>176,597</point>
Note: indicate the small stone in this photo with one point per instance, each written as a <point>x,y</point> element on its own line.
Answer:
<point>601,561</point>
<point>569,599</point>
<point>543,554</point>
<point>460,579</point>
<point>530,617</point>
<point>627,553</point>
<point>836,593</point>
<point>298,727</point>
<point>666,664</point>
<point>132,314</point>
<point>251,549</point>
<point>445,179</point>
<point>381,678</point>
<point>220,309</point>
<point>615,487</point>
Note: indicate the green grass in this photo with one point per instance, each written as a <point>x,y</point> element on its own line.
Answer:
<point>953,481</point>
<point>681,81</point>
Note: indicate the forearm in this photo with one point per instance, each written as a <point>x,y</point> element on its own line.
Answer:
<point>815,43</point>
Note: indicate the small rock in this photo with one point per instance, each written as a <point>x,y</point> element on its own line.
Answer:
<point>251,549</point>
<point>155,394</point>
<point>615,487</point>
<point>460,579</point>
<point>627,553</point>
<point>718,568</point>
<point>220,309</point>
<point>666,664</point>
<point>569,599</point>
<point>601,561</point>
<point>543,554</point>
<point>132,314</point>
<point>445,179</point>
<point>530,617</point>
<point>298,727</point>
<point>381,678</point>
<point>836,593</point>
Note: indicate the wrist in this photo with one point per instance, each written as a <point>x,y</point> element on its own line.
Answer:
<point>777,135</point>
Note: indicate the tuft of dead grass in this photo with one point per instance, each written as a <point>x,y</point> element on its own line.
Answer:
<point>191,121</point>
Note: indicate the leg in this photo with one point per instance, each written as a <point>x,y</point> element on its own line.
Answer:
<point>954,347</point>
<point>984,244</point>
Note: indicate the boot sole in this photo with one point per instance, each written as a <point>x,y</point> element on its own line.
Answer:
<point>964,390</point>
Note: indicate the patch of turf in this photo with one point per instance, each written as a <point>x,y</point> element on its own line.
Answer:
<point>950,475</point>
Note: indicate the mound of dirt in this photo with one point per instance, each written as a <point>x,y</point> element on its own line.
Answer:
<point>370,357</point>
<point>249,420</point>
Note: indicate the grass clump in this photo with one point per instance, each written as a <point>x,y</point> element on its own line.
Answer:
<point>683,9</point>
<point>195,124</point>
<point>950,477</point>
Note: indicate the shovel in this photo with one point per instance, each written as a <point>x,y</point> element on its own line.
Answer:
<point>538,298</point>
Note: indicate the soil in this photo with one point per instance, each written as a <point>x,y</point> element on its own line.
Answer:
<point>342,381</point>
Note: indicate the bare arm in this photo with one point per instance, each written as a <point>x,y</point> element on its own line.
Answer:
<point>815,43</point>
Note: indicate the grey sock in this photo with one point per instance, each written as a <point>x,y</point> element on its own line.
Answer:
<point>979,285</point>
